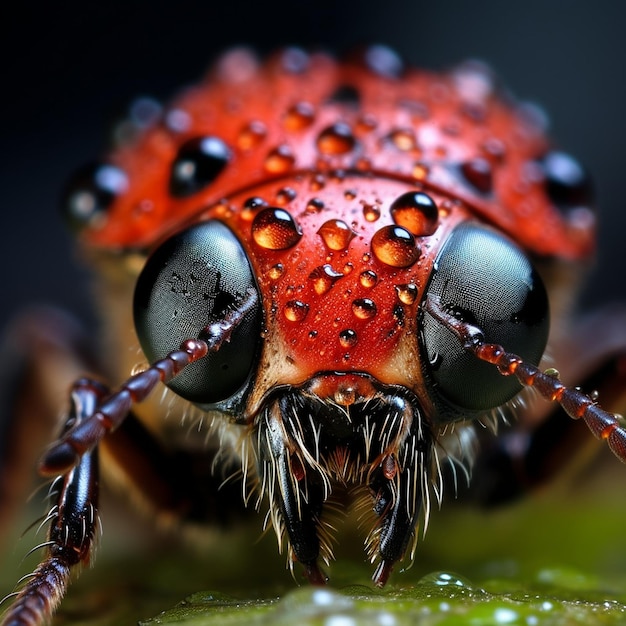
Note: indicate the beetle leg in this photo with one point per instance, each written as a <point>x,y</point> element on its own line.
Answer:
<point>42,352</point>
<point>73,524</point>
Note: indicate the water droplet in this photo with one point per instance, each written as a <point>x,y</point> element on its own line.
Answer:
<point>403,139</point>
<point>285,195</point>
<point>395,246</point>
<point>368,279</point>
<point>477,172</point>
<point>275,229</point>
<point>314,205</point>
<point>420,171</point>
<point>494,149</point>
<point>347,268</point>
<point>318,182</point>
<point>366,123</point>
<point>178,121</point>
<point>294,60</point>
<point>251,135</point>
<point>279,160</point>
<point>236,66</point>
<point>336,234</point>
<point>198,163</point>
<point>324,277</point>
<point>299,116</point>
<point>348,338</point>
<point>415,211</point>
<point>398,314</point>
<point>336,139</point>
<point>383,61</point>
<point>407,294</point>
<point>364,164</point>
<point>90,192</point>
<point>567,183</point>
<point>364,308</point>
<point>371,212</point>
<point>276,271</point>
<point>313,334</point>
<point>295,310</point>
<point>446,579</point>
<point>349,194</point>
<point>251,207</point>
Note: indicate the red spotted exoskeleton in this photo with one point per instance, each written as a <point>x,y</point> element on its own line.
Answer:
<point>338,270</point>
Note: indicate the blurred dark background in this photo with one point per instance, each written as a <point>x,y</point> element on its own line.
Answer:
<point>69,69</point>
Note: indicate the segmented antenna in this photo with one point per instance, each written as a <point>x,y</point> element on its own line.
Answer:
<point>604,425</point>
<point>65,453</point>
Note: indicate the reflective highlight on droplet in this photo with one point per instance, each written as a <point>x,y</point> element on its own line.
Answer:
<point>395,246</point>
<point>275,229</point>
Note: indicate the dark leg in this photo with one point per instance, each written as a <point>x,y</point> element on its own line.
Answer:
<point>73,523</point>
<point>181,485</point>
<point>41,354</point>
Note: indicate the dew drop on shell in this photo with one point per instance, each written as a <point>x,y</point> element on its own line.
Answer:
<point>314,205</point>
<point>323,278</point>
<point>407,294</point>
<point>368,279</point>
<point>420,171</point>
<point>336,234</point>
<point>348,338</point>
<point>417,212</point>
<point>371,212</point>
<point>295,310</point>
<point>285,195</point>
<point>364,308</point>
<point>299,116</point>
<point>279,160</point>
<point>252,206</point>
<point>403,139</point>
<point>276,271</point>
<point>275,229</point>
<point>251,135</point>
<point>477,172</point>
<point>395,246</point>
<point>336,139</point>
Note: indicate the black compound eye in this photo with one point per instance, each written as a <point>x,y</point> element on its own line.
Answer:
<point>198,163</point>
<point>568,184</point>
<point>190,281</point>
<point>90,192</point>
<point>487,281</point>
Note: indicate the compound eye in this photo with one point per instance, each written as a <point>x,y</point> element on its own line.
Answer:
<point>190,281</point>
<point>485,280</point>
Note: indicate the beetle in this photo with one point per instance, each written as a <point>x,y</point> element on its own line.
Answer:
<point>335,271</point>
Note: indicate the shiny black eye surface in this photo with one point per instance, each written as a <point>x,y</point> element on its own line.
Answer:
<point>487,281</point>
<point>190,281</point>
<point>90,192</point>
<point>198,163</point>
<point>568,184</point>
